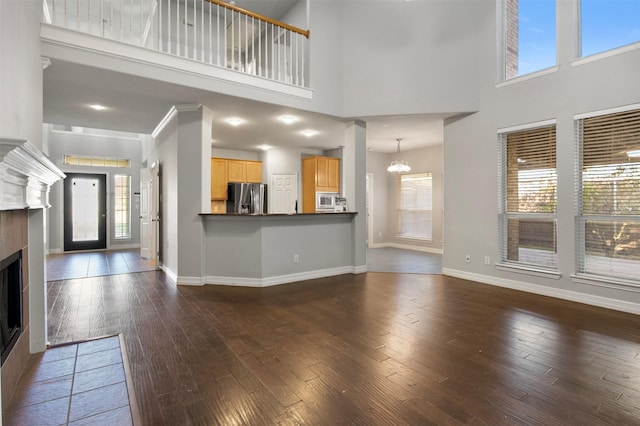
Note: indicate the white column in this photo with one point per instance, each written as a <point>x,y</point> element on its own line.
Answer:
<point>190,190</point>
<point>354,176</point>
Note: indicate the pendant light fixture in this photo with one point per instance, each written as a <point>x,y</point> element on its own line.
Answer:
<point>398,166</point>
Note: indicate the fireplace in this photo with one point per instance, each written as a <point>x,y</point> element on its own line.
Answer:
<point>10,302</point>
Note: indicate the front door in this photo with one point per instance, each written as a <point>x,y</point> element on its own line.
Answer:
<point>85,211</point>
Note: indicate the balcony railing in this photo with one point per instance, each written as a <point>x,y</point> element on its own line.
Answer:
<point>208,31</point>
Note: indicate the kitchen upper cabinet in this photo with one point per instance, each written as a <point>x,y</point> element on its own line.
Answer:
<point>245,171</point>
<point>219,178</point>
<point>319,174</point>
<point>254,171</point>
<point>324,172</point>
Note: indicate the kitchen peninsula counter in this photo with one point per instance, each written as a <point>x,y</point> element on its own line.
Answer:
<point>260,250</point>
<point>254,215</point>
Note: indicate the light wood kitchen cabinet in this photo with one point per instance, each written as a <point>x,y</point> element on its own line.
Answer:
<point>219,178</point>
<point>254,171</point>
<point>319,174</point>
<point>245,171</point>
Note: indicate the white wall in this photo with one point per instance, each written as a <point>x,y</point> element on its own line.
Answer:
<point>471,158</point>
<point>404,57</point>
<point>21,118</point>
<point>164,149</point>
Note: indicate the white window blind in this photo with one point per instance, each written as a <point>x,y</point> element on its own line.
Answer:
<point>608,223</point>
<point>527,219</point>
<point>415,206</point>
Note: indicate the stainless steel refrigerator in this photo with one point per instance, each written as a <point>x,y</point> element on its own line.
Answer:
<point>247,198</point>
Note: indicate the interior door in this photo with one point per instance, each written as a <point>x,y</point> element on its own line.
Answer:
<point>284,193</point>
<point>85,211</point>
<point>149,212</point>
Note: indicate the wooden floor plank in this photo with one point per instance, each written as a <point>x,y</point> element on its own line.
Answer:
<point>370,349</point>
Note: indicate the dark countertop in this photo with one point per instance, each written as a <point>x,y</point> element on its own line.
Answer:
<point>323,214</point>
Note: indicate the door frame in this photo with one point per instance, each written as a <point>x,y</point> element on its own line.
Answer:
<point>271,188</point>
<point>154,211</point>
<point>369,208</point>
<point>103,227</point>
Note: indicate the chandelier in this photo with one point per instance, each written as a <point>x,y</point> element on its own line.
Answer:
<point>399,166</point>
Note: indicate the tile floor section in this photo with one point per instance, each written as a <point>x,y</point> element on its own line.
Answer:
<point>391,259</point>
<point>75,384</point>
<point>96,263</point>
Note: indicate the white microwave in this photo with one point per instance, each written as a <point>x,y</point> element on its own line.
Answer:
<point>326,201</point>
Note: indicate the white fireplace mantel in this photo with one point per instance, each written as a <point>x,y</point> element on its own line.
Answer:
<point>26,175</point>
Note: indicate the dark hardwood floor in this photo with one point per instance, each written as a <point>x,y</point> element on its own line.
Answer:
<point>369,349</point>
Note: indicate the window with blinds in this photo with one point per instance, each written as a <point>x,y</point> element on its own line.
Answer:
<point>608,222</point>
<point>122,206</point>
<point>415,206</point>
<point>527,205</point>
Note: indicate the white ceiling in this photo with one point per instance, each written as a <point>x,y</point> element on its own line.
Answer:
<point>138,104</point>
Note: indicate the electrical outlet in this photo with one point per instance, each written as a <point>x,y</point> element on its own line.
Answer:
<point>467,258</point>
<point>296,258</point>
<point>487,260</point>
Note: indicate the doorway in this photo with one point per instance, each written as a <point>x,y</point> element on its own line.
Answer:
<point>85,211</point>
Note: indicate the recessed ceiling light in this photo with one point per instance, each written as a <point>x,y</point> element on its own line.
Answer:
<point>235,121</point>
<point>264,147</point>
<point>309,132</point>
<point>634,154</point>
<point>97,107</point>
<point>287,119</point>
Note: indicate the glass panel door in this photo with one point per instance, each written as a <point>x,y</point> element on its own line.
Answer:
<point>85,215</point>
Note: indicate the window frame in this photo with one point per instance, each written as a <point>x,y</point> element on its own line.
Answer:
<point>504,17</point>
<point>399,209</point>
<point>504,215</point>
<point>612,51</point>
<point>116,210</point>
<point>581,275</point>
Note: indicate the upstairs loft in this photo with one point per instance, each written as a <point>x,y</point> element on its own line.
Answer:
<point>209,39</point>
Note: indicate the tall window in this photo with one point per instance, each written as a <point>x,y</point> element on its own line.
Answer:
<point>527,181</point>
<point>530,36</point>
<point>608,24</point>
<point>608,223</point>
<point>415,206</point>
<point>122,206</point>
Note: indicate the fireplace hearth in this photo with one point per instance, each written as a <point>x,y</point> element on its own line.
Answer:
<point>10,302</point>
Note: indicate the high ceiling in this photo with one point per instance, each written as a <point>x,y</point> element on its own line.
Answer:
<point>138,104</point>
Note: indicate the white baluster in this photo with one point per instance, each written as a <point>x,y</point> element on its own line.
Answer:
<point>142,26</point>
<point>210,37</point>
<point>186,32</point>
<point>169,48</point>
<point>302,59</point>
<point>224,45</point>
<point>253,46</point>
<point>260,66</point>
<point>233,45</point>
<point>178,29</point>
<point>195,36</point>
<point>159,26</point>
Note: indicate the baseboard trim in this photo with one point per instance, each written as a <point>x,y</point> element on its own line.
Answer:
<point>282,279</point>
<point>602,302</point>
<point>173,277</point>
